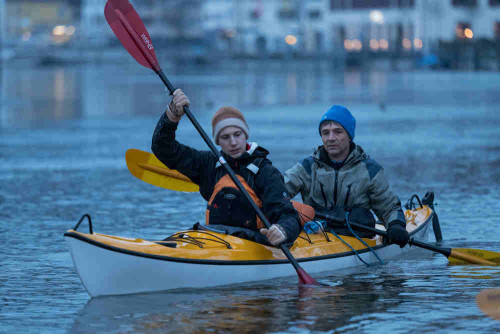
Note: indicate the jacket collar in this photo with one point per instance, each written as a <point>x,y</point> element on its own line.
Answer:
<point>253,151</point>
<point>321,156</point>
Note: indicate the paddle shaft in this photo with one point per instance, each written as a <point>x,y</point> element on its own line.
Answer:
<point>448,252</point>
<point>141,45</point>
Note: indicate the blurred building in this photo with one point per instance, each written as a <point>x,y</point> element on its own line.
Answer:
<point>39,22</point>
<point>315,27</point>
<point>166,20</point>
<point>263,28</point>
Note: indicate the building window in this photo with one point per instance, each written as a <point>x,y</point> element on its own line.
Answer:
<point>256,13</point>
<point>341,33</point>
<point>494,3</point>
<point>406,3</point>
<point>339,4</point>
<point>261,44</point>
<point>371,3</point>
<point>288,14</point>
<point>318,38</point>
<point>464,3</point>
<point>367,4</point>
<point>314,14</point>
<point>463,30</point>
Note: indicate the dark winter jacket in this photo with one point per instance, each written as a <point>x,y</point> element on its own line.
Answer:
<point>203,168</point>
<point>358,182</point>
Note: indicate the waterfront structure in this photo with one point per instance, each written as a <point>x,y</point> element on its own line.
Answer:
<point>39,22</point>
<point>315,27</point>
<point>263,28</point>
<point>165,20</point>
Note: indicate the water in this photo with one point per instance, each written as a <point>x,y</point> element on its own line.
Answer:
<point>64,133</point>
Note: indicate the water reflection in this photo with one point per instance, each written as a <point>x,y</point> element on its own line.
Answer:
<point>97,90</point>
<point>267,307</point>
<point>471,272</point>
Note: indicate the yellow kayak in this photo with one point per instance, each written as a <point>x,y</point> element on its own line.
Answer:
<point>112,265</point>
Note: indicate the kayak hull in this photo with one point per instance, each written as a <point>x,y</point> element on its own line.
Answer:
<point>109,265</point>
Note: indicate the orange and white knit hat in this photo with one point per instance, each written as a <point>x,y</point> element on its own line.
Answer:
<point>228,116</point>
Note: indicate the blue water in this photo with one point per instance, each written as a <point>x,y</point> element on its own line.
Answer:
<point>64,132</point>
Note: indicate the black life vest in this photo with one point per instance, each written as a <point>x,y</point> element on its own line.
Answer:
<point>228,206</point>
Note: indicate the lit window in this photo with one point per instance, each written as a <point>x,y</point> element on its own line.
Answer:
<point>384,45</point>
<point>468,33</point>
<point>58,30</point>
<point>356,44</point>
<point>406,43</point>
<point>290,39</point>
<point>348,44</point>
<point>461,28</point>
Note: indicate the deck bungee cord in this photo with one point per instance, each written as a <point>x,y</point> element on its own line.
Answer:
<point>184,237</point>
<point>307,218</point>
<point>363,242</point>
<point>312,220</point>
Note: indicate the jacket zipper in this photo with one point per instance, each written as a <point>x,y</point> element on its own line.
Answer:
<point>335,189</point>
<point>347,196</point>
<point>323,194</point>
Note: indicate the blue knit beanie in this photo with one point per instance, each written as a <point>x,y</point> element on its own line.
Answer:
<point>341,115</point>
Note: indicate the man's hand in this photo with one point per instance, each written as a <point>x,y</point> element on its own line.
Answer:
<point>397,234</point>
<point>276,235</point>
<point>175,109</point>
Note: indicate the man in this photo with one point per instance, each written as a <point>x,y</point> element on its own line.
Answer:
<point>226,205</point>
<point>340,177</point>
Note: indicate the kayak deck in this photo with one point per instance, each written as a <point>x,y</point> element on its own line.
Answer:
<point>213,246</point>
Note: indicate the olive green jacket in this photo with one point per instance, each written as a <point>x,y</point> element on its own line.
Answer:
<point>358,182</point>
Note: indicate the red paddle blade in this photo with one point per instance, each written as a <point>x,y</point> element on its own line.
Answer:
<point>130,30</point>
<point>305,278</point>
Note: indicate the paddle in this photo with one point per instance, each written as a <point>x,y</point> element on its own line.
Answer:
<point>130,30</point>
<point>462,255</point>
<point>146,167</point>
<point>489,302</point>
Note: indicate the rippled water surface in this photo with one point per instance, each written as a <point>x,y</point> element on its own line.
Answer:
<point>64,133</point>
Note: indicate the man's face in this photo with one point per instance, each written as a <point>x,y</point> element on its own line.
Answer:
<point>233,141</point>
<point>335,140</point>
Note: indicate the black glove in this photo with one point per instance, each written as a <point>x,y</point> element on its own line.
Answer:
<point>397,234</point>
<point>335,216</point>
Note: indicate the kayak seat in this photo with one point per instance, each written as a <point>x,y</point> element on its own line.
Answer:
<point>166,244</point>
